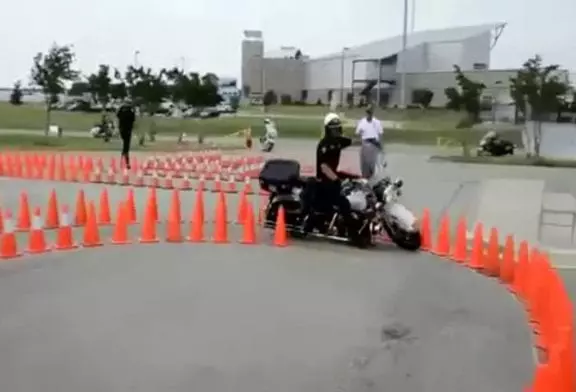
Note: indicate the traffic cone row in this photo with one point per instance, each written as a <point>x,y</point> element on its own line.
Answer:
<point>527,273</point>
<point>54,167</point>
<point>90,219</point>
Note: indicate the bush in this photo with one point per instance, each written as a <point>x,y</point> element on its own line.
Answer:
<point>422,97</point>
<point>270,98</point>
<point>286,99</point>
<point>319,102</point>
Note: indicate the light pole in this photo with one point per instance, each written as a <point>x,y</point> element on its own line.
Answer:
<point>136,55</point>
<point>403,59</point>
<point>342,58</point>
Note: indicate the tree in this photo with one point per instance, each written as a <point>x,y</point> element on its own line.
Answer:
<point>16,95</point>
<point>118,90</point>
<point>270,98</point>
<point>99,86</point>
<point>50,71</point>
<point>209,90</point>
<point>466,98</point>
<point>148,90</point>
<point>538,85</point>
<point>235,102</point>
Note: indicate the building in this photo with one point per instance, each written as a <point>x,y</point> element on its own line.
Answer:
<point>227,89</point>
<point>376,70</point>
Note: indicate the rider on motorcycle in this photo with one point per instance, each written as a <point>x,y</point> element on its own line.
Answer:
<point>327,189</point>
<point>271,130</point>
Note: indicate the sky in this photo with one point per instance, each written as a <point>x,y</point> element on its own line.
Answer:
<point>205,35</point>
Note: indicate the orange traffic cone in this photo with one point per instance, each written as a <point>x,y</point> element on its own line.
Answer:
<point>197,220</point>
<point>174,230</point>
<point>221,222</point>
<point>508,263</point>
<point>64,239</point>
<point>120,234</point>
<point>81,213</point>
<point>91,236</point>
<point>24,220</point>
<point>52,213</point>
<point>36,238</point>
<point>175,206</point>
<point>442,247</point>
<point>131,207</point>
<point>241,216</point>
<point>492,259</point>
<point>280,236</point>
<point>460,250</point>
<point>8,243</point>
<point>148,233</point>
<point>477,254</point>
<point>154,203</point>
<point>104,217</point>
<point>249,226</point>
<point>426,231</point>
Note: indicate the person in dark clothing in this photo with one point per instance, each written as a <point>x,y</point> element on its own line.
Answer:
<point>126,118</point>
<point>327,190</point>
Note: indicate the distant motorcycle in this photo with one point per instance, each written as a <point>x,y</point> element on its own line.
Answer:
<point>105,131</point>
<point>494,146</point>
<point>267,143</point>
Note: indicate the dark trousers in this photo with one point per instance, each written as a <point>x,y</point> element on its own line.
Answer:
<point>323,197</point>
<point>126,136</point>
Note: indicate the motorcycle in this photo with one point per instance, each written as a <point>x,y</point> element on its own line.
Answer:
<point>267,144</point>
<point>105,131</point>
<point>494,146</point>
<point>375,207</point>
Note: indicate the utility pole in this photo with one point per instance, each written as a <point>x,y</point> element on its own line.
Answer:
<point>342,59</point>
<point>403,58</point>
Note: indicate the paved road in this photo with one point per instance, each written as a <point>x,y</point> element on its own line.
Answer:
<point>315,317</point>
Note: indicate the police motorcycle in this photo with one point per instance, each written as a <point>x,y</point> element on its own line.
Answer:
<point>375,207</point>
<point>105,130</point>
<point>493,145</point>
<point>268,140</point>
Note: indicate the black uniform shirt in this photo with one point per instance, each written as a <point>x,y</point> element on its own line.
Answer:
<point>328,152</point>
<point>126,118</point>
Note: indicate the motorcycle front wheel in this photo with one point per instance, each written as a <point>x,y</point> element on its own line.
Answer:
<point>407,240</point>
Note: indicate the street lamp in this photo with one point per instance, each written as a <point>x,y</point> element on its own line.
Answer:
<point>136,55</point>
<point>342,58</point>
<point>403,62</point>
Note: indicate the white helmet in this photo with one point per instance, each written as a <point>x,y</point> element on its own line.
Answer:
<point>331,117</point>
<point>267,121</point>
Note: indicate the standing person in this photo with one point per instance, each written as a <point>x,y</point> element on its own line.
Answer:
<point>126,118</point>
<point>370,130</point>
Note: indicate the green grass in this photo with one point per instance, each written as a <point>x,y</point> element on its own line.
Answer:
<point>435,115</point>
<point>418,130</point>
<point>75,143</point>
<point>508,161</point>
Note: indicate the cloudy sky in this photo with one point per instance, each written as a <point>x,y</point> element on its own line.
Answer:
<point>206,34</point>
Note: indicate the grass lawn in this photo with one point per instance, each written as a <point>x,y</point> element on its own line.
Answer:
<point>508,161</point>
<point>75,143</point>
<point>423,131</point>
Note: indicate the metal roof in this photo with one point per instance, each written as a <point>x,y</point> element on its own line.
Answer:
<point>391,46</point>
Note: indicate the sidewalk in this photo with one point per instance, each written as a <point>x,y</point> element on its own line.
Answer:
<point>515,206</point>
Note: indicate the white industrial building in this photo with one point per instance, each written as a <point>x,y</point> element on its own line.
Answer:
<point>376,69</point>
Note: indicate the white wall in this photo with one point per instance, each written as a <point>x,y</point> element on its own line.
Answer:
<point>443,55</point>
<point>476,50</point>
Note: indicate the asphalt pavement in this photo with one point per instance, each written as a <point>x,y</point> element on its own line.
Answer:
<point>312,316</point>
